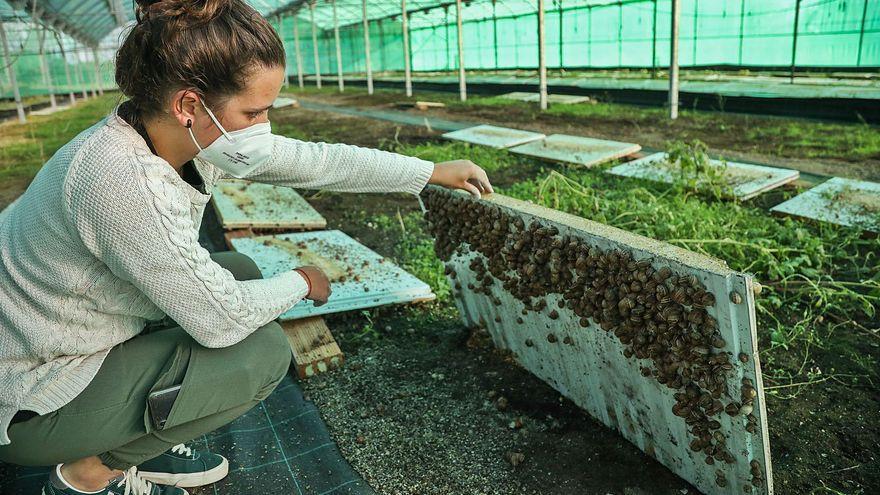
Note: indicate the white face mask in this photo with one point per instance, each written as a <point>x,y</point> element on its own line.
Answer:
<point>237,152</point>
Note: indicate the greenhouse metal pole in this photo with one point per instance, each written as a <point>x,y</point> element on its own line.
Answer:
<point>462,84</point>
<point>654,44</point>
<point>797,16</point>
<point>10,72</point>
<point>367,47</point>
<point>315,46</point>
<point>559,7</point>
<point>495,33</point>
<point>542,57</point>
<point>407,70</point>
<point>742,24</point>
<point>862,34</point>
<point>98,82</point>
<point>280,21</point>
<point>673,61</point>
<point>70,96</point>
<point>338,48</point>
<point>299,60</point>
<point>77,69</point>
<point>44,69</point>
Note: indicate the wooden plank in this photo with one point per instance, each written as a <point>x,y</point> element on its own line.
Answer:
<point>847,202</point>
<point>419,105</point>
<point>242,204</point>
<point>579,150</point>
<point>642,366</point>
<point>359,277</point>
<point>494,136</point>
<point>313,346</point>
<point>746,180</point>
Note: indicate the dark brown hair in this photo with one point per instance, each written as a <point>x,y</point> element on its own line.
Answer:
<point>211,46</point>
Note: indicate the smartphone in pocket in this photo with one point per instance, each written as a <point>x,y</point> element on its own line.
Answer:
<point>160,403</point>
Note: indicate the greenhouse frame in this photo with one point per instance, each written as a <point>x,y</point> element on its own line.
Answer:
<point>67,48</point>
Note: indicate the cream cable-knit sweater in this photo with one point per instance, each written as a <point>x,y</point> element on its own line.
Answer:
<point>106,238</point>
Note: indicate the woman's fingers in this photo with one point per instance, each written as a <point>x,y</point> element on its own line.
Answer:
<point>471,189</point>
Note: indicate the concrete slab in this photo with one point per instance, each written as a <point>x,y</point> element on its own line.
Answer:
<point>496,137</point>
<point>242,204</point>
<point>359,277</point>
<point>577,149</point>
<point>746,180</point>
<point>847,202</point>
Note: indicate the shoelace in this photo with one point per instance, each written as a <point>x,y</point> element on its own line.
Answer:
<point>182,449</point>
<point>134,484</point>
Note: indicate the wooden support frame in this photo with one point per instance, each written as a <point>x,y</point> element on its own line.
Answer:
<point>313,346</point>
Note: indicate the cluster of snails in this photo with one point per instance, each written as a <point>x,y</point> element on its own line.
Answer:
<point>657,314</point>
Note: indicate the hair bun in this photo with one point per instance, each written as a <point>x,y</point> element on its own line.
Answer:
<point>186,13</point>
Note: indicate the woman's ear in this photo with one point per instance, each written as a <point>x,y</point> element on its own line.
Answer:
<point>183,106</point>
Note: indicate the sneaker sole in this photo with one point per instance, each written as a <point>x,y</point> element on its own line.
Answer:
<point>189,480</point>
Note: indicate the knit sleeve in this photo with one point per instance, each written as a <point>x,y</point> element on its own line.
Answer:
<point>342,167</point>
<point>132,217</point>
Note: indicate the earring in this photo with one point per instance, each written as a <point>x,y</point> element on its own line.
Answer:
<point>189,123</point>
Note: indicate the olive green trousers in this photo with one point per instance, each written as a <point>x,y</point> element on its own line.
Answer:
<point>110,418</point>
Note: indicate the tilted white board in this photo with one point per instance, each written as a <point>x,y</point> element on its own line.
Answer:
<point>359,277</point>
<point>746,180</point>
<point>848,202</point>
<point>576,149</point>
<point>496,137</point>
<point>589,365</point>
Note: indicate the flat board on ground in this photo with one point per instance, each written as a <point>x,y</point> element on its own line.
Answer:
<point>589,364</point>
<point>746,180</point>
<point>49,110</point>
<point>554,99</point>
<point>284,102</point>
<point>242,204</point>
<point>496,137</point>
<point>359,277</point>
<point>577,149</point>
<point>848,202</point>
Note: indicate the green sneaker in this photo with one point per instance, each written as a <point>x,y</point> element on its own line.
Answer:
<point>129,483</point>
<point>182,466</point>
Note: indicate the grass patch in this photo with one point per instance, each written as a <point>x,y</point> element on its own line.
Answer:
<point>414,251</point>
<point>24,148</point>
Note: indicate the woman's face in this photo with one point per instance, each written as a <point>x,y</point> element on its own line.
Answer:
<point>244,109</point>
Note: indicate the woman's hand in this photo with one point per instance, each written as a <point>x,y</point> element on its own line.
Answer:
<point>461,174</point>
<point>319,285</point>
